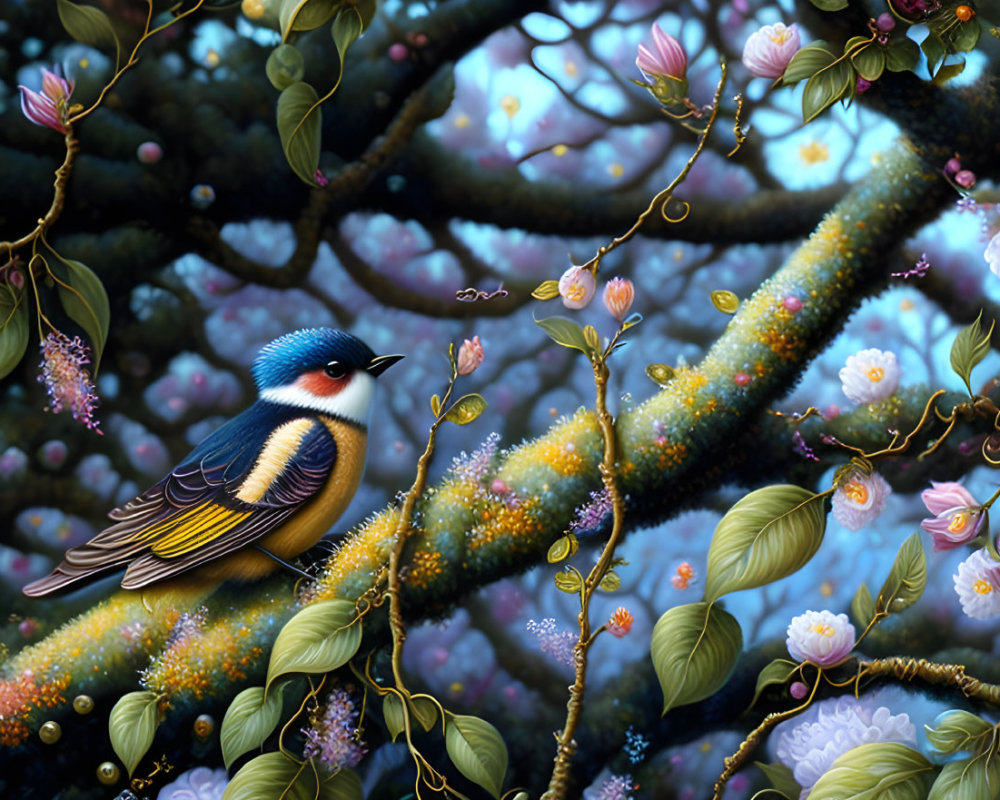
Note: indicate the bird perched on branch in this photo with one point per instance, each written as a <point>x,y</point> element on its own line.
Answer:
<point>260,490</point>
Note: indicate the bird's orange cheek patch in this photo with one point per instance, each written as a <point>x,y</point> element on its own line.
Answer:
<point>320,384</point>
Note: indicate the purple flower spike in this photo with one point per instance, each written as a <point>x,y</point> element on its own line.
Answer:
<point>67,379</point>
<point>49,107</point>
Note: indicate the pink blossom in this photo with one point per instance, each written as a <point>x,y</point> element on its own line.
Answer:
<point>669,59</point>
<point>51,106</point>
<point>619,293</point>
<point>577,287</point>
<point>768,51</point>
<point>957,518</point>
<point>824,638</point>
<point>470,356</point>
<point>860,499</point>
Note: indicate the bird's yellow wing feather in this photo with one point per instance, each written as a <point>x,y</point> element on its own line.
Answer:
<point>194,529</point>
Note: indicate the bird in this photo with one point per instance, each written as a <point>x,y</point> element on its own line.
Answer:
<point>258,491</point>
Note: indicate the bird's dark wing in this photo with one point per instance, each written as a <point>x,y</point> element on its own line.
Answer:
<point>231,491</point>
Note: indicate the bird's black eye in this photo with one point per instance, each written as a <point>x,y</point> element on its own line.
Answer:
<point>336,370</point>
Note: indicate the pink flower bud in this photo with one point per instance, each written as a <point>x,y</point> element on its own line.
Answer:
<point>398,52</point>
<point>618,296</point>
<point>965,178</point>
<point>768,51</point>
<point>577,287</point>
<point>49,107</point>
<point>16,278</point>
<point>149,152</point>
<point>862,85</point>
<point>470,356</point>
<point>885,22</point>
<point>798,690</point>
<point>824,638</point>
<point>620,622</point>
<point>952,166</point>
<point>666,60</point>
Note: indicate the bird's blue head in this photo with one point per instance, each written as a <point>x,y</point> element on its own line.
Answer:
<point>322,369</point>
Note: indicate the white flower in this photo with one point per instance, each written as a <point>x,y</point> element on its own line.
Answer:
<point>992,254</point>
<point>768,51</point>
<point>809,748</point>
<point>822,637</point>
<point>978,585</point>
<point>200,783</point>
<point>860,499</point>
<point>870,376</point>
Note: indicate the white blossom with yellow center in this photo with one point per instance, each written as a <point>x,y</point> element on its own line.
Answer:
<point>870,376</point>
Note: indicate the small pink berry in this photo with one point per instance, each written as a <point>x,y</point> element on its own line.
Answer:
<point>149,152</point>
<point>862,85</point>
<point>885,22</point>
<point>27,627</point>
<point>792,303</point>
<point>798,690</point>
<point>832,411</point>
<point>398,52</point>
<point>965,178</point>
<point>952,166</point>
<point>500,486</point>
<point>741,379</point>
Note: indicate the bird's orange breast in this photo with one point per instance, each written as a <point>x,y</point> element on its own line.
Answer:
<point>311,522</point>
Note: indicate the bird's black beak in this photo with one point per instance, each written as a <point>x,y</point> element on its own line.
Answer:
<point>380,364</point>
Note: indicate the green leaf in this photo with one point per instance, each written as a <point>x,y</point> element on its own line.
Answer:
<point>425,711</point>
<point>563,331</point>
<point>965,35</point>
<point>778,671</point>
<point>547,290</point>
<point>249,720</point>
<point>367,9</point>
<point>319,638</point>
<point>394,715</point>
<point>610,582</point>
<point>935,51</point>
<point>829,5</point>
<point>901,54</point>
<point>968,779</point>
<point>84,300</point>
<point>825,88</point>
<point>569,582</point>
<point>435,405</point>
<point>725,301</point>
<point>346,29</point>
<point>807,62</point>
<point>13,329</point>
<point>131,727</point>
<point>869,62</point>
<point>274,775</point>
<point>476,748</point>
<point>948,71</point>
<point>957,730</point>
<point>781,778</point>
<point>562,548</point>
<point>907,578</point>
<point>591,338</point>
<point>862,606</point>
<point>767,535</point>
<point>882,771</point>
<point>694,648</point>
<point>466,409</point>
<point>87,24</point>
<point>304,15</point>
<point>300,129</point>
<point>285,66</point>
<point>660,374</point>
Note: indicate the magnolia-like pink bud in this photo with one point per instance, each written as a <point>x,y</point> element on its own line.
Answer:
<point>768,51</point>
<point>577,287</point>
<point>619,293</point>
<point>667,59</point>
<point>470,356</point>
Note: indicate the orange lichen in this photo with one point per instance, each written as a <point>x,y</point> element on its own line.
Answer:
<point>562,457</point>
<point>425,567</point>
<point>782,343</point>
<point>21,696</point>
<point>364,551</point>
<point>512,521</point>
